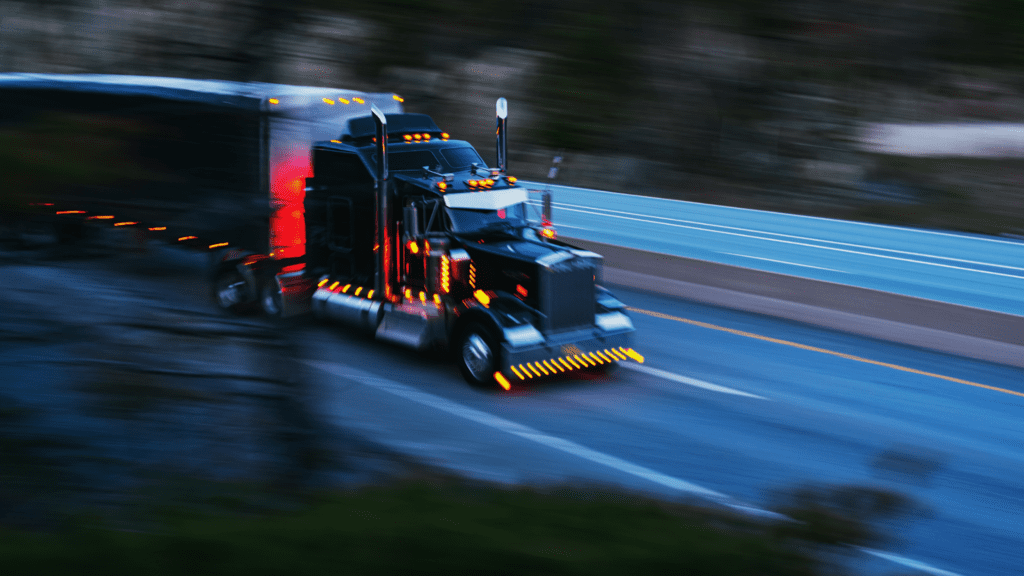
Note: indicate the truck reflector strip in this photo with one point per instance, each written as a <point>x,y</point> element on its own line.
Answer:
<point>502,380</point>
<point>575,362</point>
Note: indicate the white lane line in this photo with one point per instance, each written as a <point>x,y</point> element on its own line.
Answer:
<point>1018,277</point>
<point>784,262</point>
<point>520,430</point>
<point>688,381</point>
<point>614,214</point>
<point>917,564</point>
<point>573,448</point>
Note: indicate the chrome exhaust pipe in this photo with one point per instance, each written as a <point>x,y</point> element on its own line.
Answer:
<point>502,113</point>
<point>382,282</point>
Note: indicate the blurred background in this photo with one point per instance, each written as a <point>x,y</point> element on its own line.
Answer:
<point>777,104</point>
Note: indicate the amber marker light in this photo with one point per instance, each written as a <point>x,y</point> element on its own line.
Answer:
<point>482,298</point>
<point>71,212</point>
<point>633,354</point>
<point>548,233</point>
<point>321,283</point>
<point>333,286</point>
<point>359,100</point>
<point>414,247</point>
<point>437,300</point>
<point>518,373</point>
<point>183,238</point>
<point>444,136</point>
<point>398,98</point>
<point>442,185</point>
<point>417,137</point>
<point>342,100</point>
<point>218,245</point>
<point>358,290</point>
<point>125,223</point>
<point>408,293</point>
<point>345,289</point>
<point>564,363</point>
<point>274,101</point>
<point>158,228</point>
<point>502,380</point>
<point>426,136</point>
<point>328,101</point>
<point>369,294</point>
<point>511,179</point>
<point>408,137</point>
<point>100,218</point>
<point>573,362</point>
<point>620,355</point>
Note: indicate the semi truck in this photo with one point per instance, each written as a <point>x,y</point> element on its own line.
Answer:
<point>333,202</point>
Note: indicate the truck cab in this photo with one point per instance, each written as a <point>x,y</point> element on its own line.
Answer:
<point>410,235</point>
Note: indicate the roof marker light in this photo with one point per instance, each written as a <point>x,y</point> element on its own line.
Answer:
<point>359,100</point>
<point>417,137</point>
<point>408,137</point>
<point>183,238</point>
<point>502,380</point>
<point>342,100</point>
<point>399,98</point>
<point>158,228</point>
<point>71,212</point>
<point>328,101</point>
<point>345,289</point>
<point>274,101</point>
<point>100,218</point>
<point>321,283</point>
<point>333,286</point>
<point>426,136</point>
<point>125,223</point>
<point>218,245</point>
<point>358,290</point>
<point>336,141</point>
<point>445,136</point>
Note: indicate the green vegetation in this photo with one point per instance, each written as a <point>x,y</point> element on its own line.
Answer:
<point>451,527</point>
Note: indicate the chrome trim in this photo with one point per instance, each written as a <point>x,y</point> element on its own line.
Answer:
<point>523,335</point>
<point>612,321</point>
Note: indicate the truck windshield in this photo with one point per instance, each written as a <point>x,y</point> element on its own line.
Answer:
<point>469,221</point>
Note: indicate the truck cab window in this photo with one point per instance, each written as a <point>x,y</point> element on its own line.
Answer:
<point>508,218</point>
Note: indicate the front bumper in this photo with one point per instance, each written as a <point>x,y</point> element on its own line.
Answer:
<point>565,352</point>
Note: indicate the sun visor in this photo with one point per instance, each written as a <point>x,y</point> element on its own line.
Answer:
<point>488,200</point>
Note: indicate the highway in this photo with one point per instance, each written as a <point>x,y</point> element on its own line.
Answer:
<point>726,410</point>
<point>970,270</point>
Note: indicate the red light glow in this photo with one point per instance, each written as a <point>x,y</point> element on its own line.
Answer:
<point>287,188</point>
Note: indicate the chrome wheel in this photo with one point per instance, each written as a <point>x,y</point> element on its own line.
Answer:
<point>271,299</point>
<point>477,357</point>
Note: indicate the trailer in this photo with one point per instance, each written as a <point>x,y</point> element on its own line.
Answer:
<point>338,203</point>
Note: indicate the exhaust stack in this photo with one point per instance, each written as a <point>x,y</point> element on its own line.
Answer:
<point>502,112</point>
<point>383,209</point>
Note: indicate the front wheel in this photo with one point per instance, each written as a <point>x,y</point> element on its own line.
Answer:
<point>477,355</point>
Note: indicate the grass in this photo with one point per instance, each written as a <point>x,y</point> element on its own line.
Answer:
<point>448,526</point>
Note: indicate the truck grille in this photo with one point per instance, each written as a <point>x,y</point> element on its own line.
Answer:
<point>567,294</point>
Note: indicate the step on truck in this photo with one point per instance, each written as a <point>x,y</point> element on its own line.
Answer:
<point>340,204</point>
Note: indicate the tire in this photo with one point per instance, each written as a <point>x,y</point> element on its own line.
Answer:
<point>231,293</point>
<point>476,351</point>
<point>270,299</point>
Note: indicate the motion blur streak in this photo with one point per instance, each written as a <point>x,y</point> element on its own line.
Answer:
<point>822,350</point>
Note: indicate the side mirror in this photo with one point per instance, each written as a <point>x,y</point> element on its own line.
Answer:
<point>546,210</point>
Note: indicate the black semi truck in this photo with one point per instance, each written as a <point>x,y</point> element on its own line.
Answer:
<point>338,203</point>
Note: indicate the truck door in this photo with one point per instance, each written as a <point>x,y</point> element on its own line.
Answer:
<point>340,217</point>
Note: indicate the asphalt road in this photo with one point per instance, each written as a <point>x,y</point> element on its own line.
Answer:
<point>725,410</point>
<point>978,271</point>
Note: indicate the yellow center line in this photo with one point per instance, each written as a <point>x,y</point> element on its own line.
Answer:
<point>821,350</point>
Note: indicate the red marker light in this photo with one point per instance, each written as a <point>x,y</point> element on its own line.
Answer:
<point>501,213</point>
<point>521,290</point>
